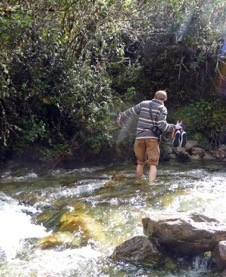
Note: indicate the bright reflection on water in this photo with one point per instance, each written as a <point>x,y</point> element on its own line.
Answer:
<point>111,197</point>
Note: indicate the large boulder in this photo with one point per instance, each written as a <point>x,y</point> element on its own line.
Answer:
<point>174,237</point>
<point>187,235</point>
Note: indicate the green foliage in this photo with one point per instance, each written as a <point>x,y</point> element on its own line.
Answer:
<point>33,131</point>
<point>56,153</point>
<point>88,106</point>
<point>205,121</point>
<point>68,67</point>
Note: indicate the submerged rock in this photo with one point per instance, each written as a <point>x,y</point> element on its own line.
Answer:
<point>85,224</point>
<point>81,221</point>
<point>61,238</point>
<point>72,228</point>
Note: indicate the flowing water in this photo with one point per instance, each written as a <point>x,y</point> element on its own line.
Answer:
<point>31,205</point>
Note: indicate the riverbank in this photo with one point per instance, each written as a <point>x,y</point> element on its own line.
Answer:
<point>191,152</point>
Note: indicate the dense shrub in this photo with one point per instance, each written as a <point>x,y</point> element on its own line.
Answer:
<point>68,68</point>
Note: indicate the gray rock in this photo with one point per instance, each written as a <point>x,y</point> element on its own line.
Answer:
<point>190,144</point>
<point>219,255</point>
<point>208,157</point>
<point>138,249</point>
<point>190,235</point>
<point>197,151</point>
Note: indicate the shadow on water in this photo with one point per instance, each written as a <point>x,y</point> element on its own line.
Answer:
<point>105,199</point>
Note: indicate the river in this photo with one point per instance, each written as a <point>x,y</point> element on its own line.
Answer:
<point>32,202</point>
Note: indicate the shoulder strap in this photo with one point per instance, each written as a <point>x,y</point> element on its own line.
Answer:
<point>150,109</point>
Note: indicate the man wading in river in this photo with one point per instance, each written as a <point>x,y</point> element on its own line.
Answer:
<point>151,122</point>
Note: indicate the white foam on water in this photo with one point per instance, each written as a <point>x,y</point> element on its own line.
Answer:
<point>70,262</point>
<point>7,176</point>
<point>16,227</point>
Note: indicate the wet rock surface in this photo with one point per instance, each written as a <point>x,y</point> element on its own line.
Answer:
<point>176,237</point>
<point>219,255</point>
<point>138,249</point>
<point>189,235</point>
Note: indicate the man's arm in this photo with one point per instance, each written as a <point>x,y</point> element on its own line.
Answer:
<point>162,123</point>
<point>129,113</point>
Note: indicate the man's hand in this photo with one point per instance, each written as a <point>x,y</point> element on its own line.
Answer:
<point>118,121</point>
<point>178,126</point>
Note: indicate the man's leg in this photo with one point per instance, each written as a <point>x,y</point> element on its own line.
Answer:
<point>153,158</point>
<point>139,171</point>
<point>152,173</point>
<point>140,152</point>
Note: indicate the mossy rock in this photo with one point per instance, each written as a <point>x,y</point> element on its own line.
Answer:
<point>50,218</point>
<point>112,184</point>
<point>89,227</point>
<point>61,238</point>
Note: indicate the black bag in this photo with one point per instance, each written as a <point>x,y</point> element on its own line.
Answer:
<point>156,131</point>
